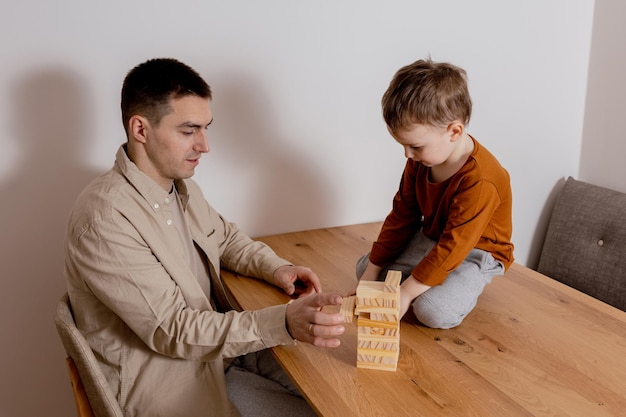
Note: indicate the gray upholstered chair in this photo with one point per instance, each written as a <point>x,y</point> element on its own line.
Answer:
<point>89,380</point>
<point>585,245</point>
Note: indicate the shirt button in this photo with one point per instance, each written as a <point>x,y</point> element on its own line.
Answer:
<point>167,200</point>
<point>156,205</point>
<point>600,242</point>
<point>169,222</point>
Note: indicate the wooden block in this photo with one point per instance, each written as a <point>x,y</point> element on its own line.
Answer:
<point>378,313</point>
<point>377,362</point>
<point>376,298</point>
<point>347,308</point>
<point>377,353</point>
<point>379,334</point>
<point>377,366</point>
<point>388,346</point>
<point>370,289</point>
<point>364,322</point>
<point>392,281</point>
<point>387,317</point>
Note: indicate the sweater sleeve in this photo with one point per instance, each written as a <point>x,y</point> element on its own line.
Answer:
<point>401,224</point>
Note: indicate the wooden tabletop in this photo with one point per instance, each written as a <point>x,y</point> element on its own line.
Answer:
<point>531,347</point>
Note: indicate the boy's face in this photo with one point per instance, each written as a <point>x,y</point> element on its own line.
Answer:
<point>427,144</point>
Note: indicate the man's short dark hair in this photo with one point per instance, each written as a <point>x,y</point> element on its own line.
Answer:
<point>149,87</point>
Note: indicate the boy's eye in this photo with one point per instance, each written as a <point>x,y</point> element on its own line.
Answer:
<point>188,132</point>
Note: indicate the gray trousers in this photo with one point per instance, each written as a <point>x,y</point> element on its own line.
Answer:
<point>443,306</point>
<point>259,387</point>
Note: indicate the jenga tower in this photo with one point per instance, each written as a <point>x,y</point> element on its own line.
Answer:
<point>378,306</point>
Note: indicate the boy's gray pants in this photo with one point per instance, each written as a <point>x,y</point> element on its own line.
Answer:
<point>443,306</point>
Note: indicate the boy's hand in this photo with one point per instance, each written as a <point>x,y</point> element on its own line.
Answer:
<point>405,302</point>
<point>410,289</point>
<point>371,272</point>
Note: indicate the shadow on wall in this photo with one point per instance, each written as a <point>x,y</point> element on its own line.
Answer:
<point>49,122</point>
<point>288,188</point>
<point>542,226</point>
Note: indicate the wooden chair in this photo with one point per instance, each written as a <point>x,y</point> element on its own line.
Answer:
<point>91,391</point>
<point>585,245</point>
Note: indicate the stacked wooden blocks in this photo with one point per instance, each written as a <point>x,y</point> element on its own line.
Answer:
<point>377,305</point>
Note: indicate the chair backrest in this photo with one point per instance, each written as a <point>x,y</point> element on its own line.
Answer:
<point>80,395</point>
<point>101,399</point>
<point>585,245</point>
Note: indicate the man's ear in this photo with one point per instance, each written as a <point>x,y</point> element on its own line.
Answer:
<point>138,128</point>
<point>455,130</point>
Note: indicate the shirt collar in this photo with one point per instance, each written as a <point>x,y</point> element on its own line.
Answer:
<point>145,185</point>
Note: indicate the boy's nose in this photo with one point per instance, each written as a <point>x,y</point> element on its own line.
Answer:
<point>409,153</point>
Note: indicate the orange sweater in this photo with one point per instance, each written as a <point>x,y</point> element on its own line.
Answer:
<point>471,209</point>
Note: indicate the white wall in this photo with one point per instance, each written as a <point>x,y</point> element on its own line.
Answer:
<point>603,157</point>
<point>298,141</point>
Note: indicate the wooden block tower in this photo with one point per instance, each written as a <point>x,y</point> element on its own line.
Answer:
<point>377,305</point>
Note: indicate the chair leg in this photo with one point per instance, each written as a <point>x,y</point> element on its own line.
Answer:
<point>82,402</point>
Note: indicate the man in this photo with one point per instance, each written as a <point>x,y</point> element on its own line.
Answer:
<point>143,255</point>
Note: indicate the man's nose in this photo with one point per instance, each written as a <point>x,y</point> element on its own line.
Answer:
<point>202,143</point>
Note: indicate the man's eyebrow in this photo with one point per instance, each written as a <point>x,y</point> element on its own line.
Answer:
<point>193,125</point>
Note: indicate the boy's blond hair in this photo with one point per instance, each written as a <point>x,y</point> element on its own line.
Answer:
<point>429,93</point>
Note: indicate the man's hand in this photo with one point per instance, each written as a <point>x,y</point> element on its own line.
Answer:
<point>297,280</point>
<point>308,323</point>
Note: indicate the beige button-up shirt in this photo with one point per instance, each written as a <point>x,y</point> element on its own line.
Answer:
<point>140,306</point>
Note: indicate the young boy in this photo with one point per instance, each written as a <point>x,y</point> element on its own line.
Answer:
<point>449,231</point>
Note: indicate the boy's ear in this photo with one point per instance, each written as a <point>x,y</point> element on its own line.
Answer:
<point>455,129</point>
<point>138,128</point>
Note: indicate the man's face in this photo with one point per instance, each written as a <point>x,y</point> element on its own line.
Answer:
<point>426,144</point>
<point>173,148</point>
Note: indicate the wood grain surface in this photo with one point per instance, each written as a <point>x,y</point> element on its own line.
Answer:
<point>531,347</point>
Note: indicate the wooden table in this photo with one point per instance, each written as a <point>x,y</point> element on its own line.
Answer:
<point>531,347</point>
